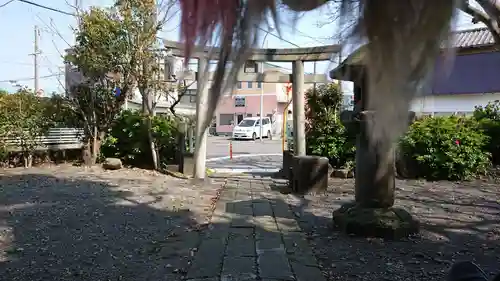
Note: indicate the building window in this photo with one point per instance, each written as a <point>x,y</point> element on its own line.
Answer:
<point>226,119</point>
<point>239,102</point>
<point>259,85</point>
<point>249,85</point>
<point>238,85</point>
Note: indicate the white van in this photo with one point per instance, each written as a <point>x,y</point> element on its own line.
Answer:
<point>249,128</point>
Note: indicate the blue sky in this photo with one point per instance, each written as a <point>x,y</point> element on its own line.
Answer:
<point>18,20</point>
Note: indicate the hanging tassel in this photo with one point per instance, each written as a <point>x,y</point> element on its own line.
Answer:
<point>199,19</point>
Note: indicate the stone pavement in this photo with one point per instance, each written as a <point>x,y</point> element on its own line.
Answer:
<point>253,235</point>
<point>243,164</point>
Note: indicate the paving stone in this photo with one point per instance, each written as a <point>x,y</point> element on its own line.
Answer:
<point>244,209</point>
<point>208,259</point>
<point>307,273</point>
<point>239,268</point>
<point>275,265</point>
<point>287,225</point>
<point>261,234</point>
<point>298,249</point>
<point>217,231</point>
<point>282,210</point>
<point>267,223</point>
<point>262,209</point>
<point>242,221</point>
<point>205,279</point>
<point>241,246</point>
<point>270,244</point>
<point>236,231</point>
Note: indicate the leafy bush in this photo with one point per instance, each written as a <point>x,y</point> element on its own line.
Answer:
<point>325,134</point>
<point>445,148</point>
<point>128,139</point>
<point>488,118</point>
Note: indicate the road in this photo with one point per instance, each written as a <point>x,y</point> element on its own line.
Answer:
<point>219,147</point>
<point>248,155</point>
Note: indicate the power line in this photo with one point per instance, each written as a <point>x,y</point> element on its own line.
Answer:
<point>47,8</point>
<point>30,78</point>
<point>6,3</point>
<point>278,37</point>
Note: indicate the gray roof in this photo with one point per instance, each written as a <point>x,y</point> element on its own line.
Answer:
<point>472,38</point>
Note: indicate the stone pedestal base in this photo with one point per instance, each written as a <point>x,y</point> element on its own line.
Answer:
<point>187,163</point>
<point>309,174</point>
<point>286,170</point>
<point>390,223</point>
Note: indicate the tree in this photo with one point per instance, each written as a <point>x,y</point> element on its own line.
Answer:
<point>326,135</point>
<point>141,21</point>
<point>100,55</point>
<point>24,118</point>
<point>117,48</point>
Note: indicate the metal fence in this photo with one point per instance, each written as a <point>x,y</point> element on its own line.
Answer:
<point>55,139</point>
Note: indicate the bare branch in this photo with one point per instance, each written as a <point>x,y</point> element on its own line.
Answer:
<point>485,18</point>
<point>180,94</point>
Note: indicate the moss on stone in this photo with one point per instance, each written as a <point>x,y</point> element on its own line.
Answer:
<point>387,223</point>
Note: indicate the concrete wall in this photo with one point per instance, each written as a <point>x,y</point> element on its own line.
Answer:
<point>454,103</point>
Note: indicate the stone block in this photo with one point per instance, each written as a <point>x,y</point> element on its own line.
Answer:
<point>286,171</point>
<point>310,174</point>
<point>187,163</point>
<point>112,164</point>
<point>342,173</point>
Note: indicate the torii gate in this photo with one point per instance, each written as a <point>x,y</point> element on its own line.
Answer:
<point>297,56</point>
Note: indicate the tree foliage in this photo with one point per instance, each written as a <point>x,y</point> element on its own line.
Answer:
<point>24,119</point>
<point>326,135</point>
<point>445,148</point>
<point>116,49</point>
<point>488,118</point>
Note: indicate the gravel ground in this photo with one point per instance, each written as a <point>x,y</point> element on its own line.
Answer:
<point>71,223</point>
<point>459,221</point>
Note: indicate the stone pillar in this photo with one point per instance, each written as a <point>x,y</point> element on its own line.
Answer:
<point>299,111</point>
<point>374,184</point>
<point>201,133</point>
<point>190,133</point>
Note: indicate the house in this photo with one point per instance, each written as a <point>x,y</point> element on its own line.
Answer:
<point>246,100</point>
<point>186,106</point>
<point>466,76</point>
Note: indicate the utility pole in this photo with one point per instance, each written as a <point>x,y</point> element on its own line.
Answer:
<point>35,61</point>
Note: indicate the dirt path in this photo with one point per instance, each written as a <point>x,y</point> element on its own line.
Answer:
<point>68,223</point>
<point>460,221</point>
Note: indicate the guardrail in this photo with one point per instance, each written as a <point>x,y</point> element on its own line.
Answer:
<point>55,139</point>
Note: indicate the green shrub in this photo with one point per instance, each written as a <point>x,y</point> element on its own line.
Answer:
<point>445,148</point>
<point>325,134</point>
<point>128,139</point>
<point>488,118</point>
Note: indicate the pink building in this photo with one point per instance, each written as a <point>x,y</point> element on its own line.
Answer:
<point>245,102</point>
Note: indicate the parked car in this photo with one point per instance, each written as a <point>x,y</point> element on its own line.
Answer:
<point>249,128</point>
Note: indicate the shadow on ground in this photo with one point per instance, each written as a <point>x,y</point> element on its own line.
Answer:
<point>73,229</point>
<point>465,226</point>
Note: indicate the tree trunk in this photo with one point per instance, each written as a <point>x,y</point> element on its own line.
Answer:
<point>87,153</point>
<point>96,145</point>
<point>28,159</point>
<point>152,145</point>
